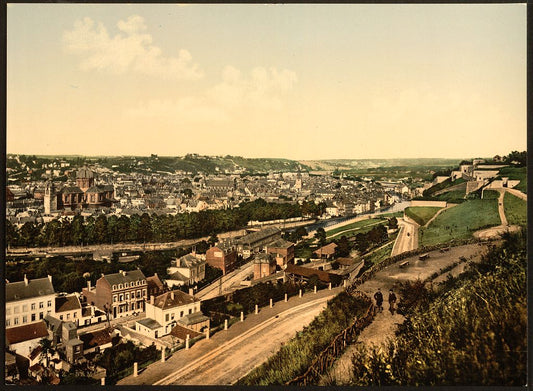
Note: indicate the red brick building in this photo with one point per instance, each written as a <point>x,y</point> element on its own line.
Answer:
<point>282,250</point>
<point>122,293</point>
<point>264,265</point>
<point>222,257</point>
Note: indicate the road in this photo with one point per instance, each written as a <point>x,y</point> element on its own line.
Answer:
<point>407,238</point>
<point>230,354</point>
<point>234,278</point>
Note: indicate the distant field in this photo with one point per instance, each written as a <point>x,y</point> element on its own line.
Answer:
<point>421,214</point>
<point>461,221</point>
<point>515,209</point>
<point>516,173</point>
<point>377,257</point>
<point>353,226</point>
<point>491,194</point>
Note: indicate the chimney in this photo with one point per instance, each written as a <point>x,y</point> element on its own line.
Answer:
<point>50,278</point>
<point>26,280</point>
<point>152,299</point>
<point>191,292</point>
<point>89,284</point>
<point>172,295</point>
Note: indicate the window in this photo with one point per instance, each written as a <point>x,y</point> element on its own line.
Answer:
<point>8,322</point>
<point>119,286</point>
<point>33,317</point>
<point>49,303</point>
<point>25,319</point>
<point>172,316</point>
<point>144,292</point>
<point>16,309</point>
<point>114,287</point>
<point>16,320</point>
<point>41,315</point>
<point>114,298</point>
<point>127,296</point>
<point>25,308</point>
<point>132,306</point>
<point>121,298</point>
<point>8,311</point>
<point>190,311</point>
<point>75,313</point>
<point>41,304</point>
<point>61,317</point>
<point>181,314</point>
<point>166,317</point>
<point>126,285</point>
<point>138,294</point>
<point>68,316</point>
<point>33,306</point>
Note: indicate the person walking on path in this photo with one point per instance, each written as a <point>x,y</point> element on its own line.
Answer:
<point>379,299</point>
<point>392,302</point>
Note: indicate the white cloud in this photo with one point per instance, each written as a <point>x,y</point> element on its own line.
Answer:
<point>261,90</point>
<point>130,50</point>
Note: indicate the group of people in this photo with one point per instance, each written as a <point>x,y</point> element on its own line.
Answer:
<point>378,296</point>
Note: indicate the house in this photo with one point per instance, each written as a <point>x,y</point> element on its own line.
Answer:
<point>223,257</point>
<point>255,241</point>
<point>24,339</point>
<point>68,308</point>
<point>282,250</point>
<point>96,341</point>
<point>326,252</point>
<point>187,270</point>
<point>264,265</point>
<point>11,371</point>
<point>29,301</point>
<point>164,311</point>
<point>122,293</point>
<point>155,286</point>
<point>299,274</point>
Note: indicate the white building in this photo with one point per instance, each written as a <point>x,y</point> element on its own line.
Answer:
<point>188,269</point>
<point>165,311</point>
<point>29,301</point>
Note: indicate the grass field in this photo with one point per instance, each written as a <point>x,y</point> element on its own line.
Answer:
<point>516,173</point>
<point>377,256</point>
<point>421,214</point>
<point>491,194</point>
<point>515,209</point>
<point>454,196</point>
<point>460,222</point>
<point>353,226</point>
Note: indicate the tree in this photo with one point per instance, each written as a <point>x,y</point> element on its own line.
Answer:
<point>393,223</point>
<point>47,349</point>
<point>213,239</point>
<point>343,247</point>
<point>320,235</point>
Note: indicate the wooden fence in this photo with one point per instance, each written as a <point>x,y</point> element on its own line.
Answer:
<point>328,356</point>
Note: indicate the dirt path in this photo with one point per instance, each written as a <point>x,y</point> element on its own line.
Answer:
<point>494,232</point>
<point>385,324</point>
<point>407,237</point>
<point>438,213</point>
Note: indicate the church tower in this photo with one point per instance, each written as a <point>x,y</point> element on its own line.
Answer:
<point>50,198</point>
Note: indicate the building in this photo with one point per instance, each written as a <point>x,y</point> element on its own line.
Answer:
<point>187,270</point>
<point>68,308</point>
<point>155,285</point>
<point>29,301</point>
<point>256,241</point>
<point>96,341</point>
<point>223,257</point>
<point>122,293</point>
<point>264,265</point>
<point>84,195</point>
<point>24,339</point>
<point>299,274</point>
<point>282,250</point>
<point>326,252</point>
<point>165,311</point>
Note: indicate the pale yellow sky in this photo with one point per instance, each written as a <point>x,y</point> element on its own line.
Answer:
<point>294,81</point>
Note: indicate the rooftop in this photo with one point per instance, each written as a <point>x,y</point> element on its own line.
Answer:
<point>152,324</point>
<point>166,300</point>
<point>28,289</point>
<point>26,333</point>
<point>67,303</point>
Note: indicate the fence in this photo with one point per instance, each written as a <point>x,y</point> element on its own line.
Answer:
<point>328,356</point>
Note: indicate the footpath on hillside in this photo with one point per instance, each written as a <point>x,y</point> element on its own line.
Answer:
<point>385,324</point>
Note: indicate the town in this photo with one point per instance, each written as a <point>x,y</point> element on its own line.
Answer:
<point>112,273</point>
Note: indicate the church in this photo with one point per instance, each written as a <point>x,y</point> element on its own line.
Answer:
<point>82,196</point>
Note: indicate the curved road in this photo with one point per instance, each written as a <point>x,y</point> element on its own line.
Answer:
<point>407,238</point>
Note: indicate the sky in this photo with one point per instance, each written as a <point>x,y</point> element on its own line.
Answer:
<point>300,81</point>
